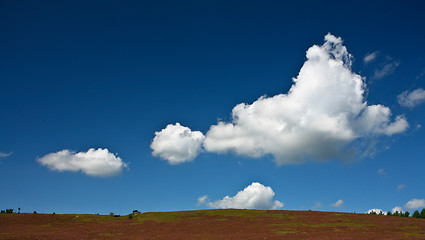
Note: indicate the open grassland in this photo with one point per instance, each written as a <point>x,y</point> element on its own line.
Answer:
<point>212,224</point>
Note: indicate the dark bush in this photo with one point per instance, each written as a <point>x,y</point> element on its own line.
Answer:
<point>10,210</point>
<point>416,214</point>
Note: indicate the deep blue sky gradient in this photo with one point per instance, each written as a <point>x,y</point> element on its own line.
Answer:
<point>82,74</point>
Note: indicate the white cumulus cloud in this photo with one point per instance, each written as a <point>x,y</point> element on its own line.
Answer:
<point>397,209</point>
<point>377,211</point>
<point>177,144</point>
<point>323,112</point>
<point>324,116</point>
<point>97,163</point>
<point>255,196</point>
<point>415,204</point>
<point>337,204</point>
<point>411,99</point>
<point>370,57</point>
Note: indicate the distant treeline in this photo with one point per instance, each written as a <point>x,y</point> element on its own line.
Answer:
<point>416,214</point>
<point>11,210</point>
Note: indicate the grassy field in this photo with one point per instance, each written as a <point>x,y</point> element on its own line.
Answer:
<point>211,224</point>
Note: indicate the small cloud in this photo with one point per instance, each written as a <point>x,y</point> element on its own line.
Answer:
<point>317,205</point>
<point>386,70</point>
<point>397,209</point>
<point>338,204</point>
<point>202,200</point>
<point>401,186</point>
<point>177,144</point>
<point>411,99</point>
<point>381,171</point>
<point>96,163</point>
<point>255,196</point>
<point>415,204</point>
<point>377,211</point>
<point>4,155</point>
<point>370,57</point>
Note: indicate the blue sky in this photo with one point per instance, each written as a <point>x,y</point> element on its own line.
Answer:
<point>109,76</point>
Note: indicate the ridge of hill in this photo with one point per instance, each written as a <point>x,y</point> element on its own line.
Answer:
<point>211,224</point>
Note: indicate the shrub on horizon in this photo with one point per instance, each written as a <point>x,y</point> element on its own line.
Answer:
<point>416,214</point>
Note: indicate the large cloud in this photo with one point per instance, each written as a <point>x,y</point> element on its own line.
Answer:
<point>322,117</point>
<point>323,112</point>
<point>98,163</point>
<point>177,144</point>
<point>412,99</point>
<point>255,196</point>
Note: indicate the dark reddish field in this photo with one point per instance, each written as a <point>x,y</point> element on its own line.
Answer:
<point>212,224</point>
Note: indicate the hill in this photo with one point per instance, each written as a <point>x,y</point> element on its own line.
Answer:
<point>211,224</point>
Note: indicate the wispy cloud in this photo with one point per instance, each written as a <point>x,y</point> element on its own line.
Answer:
<point>401,186</point>
<point>255,196</point>
<point>317,205</point>
<point>421,74</point>
<point>381,171</point>
<point>337,204</point>
<point>97,163</point>
<point>323,113</point>
<point>412,99</point>
<point>386,70</point>
<point>370,57</point>
<point>3,155</point>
